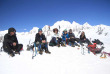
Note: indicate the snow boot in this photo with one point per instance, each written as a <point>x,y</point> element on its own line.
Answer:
<point>62,44</point>
<point>82,44</point>
<point>58,45</point>
<point>47,52</point>
<point>12,54</point>
<point>40,52</point>
<point>17,52</point>
<point>72,45</point>
<point>77,45</point>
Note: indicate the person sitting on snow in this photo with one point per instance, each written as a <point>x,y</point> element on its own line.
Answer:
<point>41,40</point>
<point>65,37</point>
<point>83,38</point>
<point>72,38</point>
<point>56,40</point>
<point>10,43</point>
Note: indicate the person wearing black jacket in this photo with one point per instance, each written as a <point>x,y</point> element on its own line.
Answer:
<point>41,40</point>
<point>10,43</point>
<point>83,39</point>
<point>72,38</point>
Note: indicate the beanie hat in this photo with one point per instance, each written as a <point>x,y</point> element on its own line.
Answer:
<point>65,30</point>
<point>39,29</point>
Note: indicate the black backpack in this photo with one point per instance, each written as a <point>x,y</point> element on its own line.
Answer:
<point>98,42</point>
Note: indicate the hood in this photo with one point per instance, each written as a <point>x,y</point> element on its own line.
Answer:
<point>11,30</point>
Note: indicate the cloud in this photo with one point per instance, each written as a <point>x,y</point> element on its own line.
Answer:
<point>25,29</point>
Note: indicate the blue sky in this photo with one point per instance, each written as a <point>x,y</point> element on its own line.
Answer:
<point>26,14</point>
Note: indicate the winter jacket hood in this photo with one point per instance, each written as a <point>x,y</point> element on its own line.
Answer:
<point>11,30</point>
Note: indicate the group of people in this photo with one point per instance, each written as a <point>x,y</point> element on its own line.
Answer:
<point>67,38</point>
<point>12,47</point>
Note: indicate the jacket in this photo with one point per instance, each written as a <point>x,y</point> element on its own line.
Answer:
<point>82,38</point>
<point>64,36</point>
<point>71,35</point>
<point>39,37</point>
<point>55,35</point>
<point>8,39</point>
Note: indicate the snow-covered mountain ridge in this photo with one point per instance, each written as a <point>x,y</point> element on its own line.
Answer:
<point>65,25</point>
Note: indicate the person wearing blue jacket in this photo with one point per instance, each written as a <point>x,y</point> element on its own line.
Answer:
<point>65,36</point>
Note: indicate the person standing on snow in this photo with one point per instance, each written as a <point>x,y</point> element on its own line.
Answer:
<point>10,43</point>
<point>40,39</point>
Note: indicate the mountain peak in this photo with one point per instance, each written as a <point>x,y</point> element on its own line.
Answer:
<point>34,30</point>
<point>87,25</point>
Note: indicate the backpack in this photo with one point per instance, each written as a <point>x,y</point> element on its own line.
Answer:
<point>94,49</point>
<point>97,41</point>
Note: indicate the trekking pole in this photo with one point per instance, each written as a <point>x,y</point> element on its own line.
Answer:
<point>89,50</point>
<point>65,40</point>
<point>82,50</point>
<point>34,51</point>
<point>39,47</point>
<point>78,33</point>
<point>0,50</point>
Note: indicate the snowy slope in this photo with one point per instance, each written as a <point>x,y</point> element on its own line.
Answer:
<point>63,60</point>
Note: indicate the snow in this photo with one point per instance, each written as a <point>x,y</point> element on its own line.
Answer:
<point>63,60</point>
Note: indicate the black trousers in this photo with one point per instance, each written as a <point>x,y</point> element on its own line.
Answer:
<point>9,49</point>
<point>86,41</point>
<point>72,40</point>
<point>54,41</point>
